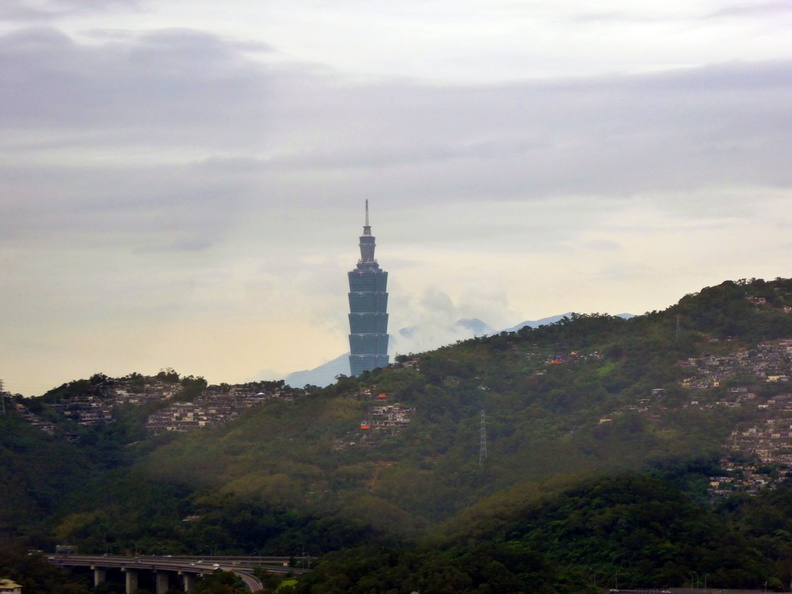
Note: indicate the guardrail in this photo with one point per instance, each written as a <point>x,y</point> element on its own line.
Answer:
<point>182,565</point>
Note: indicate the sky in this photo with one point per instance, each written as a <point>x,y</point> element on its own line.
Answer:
<point>182,182</point>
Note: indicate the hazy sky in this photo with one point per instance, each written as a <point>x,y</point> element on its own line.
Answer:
<point>182,181</point>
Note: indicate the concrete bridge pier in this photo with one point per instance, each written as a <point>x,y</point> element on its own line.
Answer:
<point>189,581</point>
<point>162,582</point>
<point>131,580</point>
<point>100,575</point>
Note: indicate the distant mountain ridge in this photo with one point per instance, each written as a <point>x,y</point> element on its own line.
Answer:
<point>321,376</point>
<point>554,319</point>
<point>326,374</point>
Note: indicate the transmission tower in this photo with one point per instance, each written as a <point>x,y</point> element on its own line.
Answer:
<point>483,438</point>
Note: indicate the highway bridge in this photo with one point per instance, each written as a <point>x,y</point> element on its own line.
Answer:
<point>169,572</point>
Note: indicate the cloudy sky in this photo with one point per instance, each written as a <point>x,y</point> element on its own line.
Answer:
<point>182,181</point>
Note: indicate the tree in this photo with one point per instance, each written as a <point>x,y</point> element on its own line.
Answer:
<point>220,582</point>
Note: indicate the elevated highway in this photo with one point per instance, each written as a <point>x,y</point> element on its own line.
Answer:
<point>168,572</point>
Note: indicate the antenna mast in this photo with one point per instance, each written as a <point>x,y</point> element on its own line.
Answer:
<point>367,227</point>
<point>483,439</point>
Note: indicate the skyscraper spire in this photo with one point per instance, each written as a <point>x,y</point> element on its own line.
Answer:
<point>367,244</point>
<point>368,307</point>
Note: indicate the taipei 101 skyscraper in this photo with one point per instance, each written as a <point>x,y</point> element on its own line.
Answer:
<point>368,309</point>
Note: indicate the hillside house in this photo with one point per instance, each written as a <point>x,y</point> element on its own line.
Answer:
<point>9,587</point>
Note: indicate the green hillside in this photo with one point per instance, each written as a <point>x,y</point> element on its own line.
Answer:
<point>491,445</point>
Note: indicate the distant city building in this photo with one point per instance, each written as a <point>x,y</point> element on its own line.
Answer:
<point>368,307</point>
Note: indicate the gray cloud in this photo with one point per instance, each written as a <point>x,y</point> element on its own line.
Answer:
<point>622,134</point>
<point>754,9</point>
<point>183,130</point>
<point>190,96</point>
<point>49,10</point>
<point>166,82</point>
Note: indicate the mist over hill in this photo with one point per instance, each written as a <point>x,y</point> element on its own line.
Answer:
<point>406,340</point>
<point>411,340</point>
<point>543,459</point>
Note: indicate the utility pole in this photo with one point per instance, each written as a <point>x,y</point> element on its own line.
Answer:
<point>2,396</point>
<point>483,439</point>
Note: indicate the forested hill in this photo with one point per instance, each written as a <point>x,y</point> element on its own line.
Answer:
<point>470,443</point>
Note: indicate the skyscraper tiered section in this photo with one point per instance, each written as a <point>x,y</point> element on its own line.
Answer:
<point>368,309</point>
